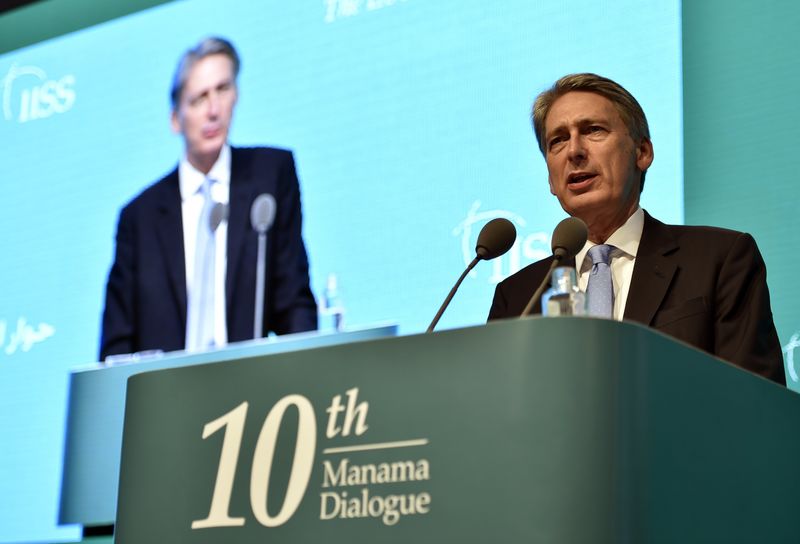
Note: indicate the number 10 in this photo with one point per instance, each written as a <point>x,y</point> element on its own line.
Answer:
<point>304,448</point>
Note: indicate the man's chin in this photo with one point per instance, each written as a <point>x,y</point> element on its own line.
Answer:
<point>210,150</point>
<point>582,206</point>
<point>205,157</point>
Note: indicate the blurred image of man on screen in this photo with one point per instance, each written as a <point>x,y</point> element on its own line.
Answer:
<point>703,285</point>
<point>184,271</point>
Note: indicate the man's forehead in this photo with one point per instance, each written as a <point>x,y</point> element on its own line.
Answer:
<point>580,107</point>
<point>209,72</point>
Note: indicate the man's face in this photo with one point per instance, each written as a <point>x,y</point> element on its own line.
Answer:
<point>594,165</point>
<point>205,108</point>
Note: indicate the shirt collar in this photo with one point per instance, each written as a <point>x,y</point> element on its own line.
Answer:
<point>190,179</point>
<point>626,239</point>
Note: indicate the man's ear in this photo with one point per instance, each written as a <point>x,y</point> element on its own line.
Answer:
<point>644,154</point>
<point>174,122</point>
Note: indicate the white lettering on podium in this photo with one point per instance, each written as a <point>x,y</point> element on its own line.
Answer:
<point>382,473</point>
<point>352,412</point>
<point>233,423</point>
<point>389,508</point>
<point>301,465</point>
<point>344,418</point>
<point>305,447</point>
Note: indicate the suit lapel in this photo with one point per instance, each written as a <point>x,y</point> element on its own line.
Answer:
<point>241,189</point>
<point>169,227</point>
<point>652,273</point>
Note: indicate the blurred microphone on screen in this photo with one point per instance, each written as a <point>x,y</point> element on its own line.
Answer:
<point>262,214</point>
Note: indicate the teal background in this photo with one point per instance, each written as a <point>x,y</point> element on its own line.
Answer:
<point>741,69</point>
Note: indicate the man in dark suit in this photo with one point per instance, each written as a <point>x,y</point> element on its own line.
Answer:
<point>153,283</point>
<point>705,286</point>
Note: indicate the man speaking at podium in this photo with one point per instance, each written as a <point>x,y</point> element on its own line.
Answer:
<point>705,286</point>
<point>184,272</point>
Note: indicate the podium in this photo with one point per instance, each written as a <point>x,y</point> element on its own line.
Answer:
<point>97,407</point>
<point>537,430</point>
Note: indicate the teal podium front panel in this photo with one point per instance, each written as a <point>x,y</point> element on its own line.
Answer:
<point>538,430</point>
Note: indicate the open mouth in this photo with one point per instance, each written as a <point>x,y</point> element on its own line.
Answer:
<point>580,180</point>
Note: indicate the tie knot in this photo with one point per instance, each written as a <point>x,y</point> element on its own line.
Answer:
<point>206,187</point>
<point>600,253</point>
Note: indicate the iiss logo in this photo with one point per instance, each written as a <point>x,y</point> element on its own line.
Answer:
<point>527,248</point>
<point>28,94</point>
<point>24,336</point>
<point>788,351</point>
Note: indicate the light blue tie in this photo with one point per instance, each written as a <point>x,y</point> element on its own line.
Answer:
<point>600,291</point>
<point>200,312</point>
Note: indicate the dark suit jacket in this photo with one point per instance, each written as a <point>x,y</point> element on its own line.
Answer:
<point>146,293</point>
<point>703,285</point>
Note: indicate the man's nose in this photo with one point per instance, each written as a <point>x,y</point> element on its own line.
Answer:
<point>576,150</point>
<point>213,105</point>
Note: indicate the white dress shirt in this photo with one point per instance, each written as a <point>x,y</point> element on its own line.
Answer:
<point>626,241</point>
<point>191,184</point>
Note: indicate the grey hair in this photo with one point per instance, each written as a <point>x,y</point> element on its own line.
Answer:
<point>205,48</point>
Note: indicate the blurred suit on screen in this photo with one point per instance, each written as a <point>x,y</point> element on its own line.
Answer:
<point>150,284</point>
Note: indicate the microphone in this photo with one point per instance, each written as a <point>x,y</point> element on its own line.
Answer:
<point>569,237</point>
<point>495,238</point>
<point>262,212</point>
<point>262,215</point>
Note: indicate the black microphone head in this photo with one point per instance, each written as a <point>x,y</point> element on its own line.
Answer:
<point>569,237</point>
<point>495,238</point>
<point>262,212</point>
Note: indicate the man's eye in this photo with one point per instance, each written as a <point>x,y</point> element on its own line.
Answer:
<point>555,141</point>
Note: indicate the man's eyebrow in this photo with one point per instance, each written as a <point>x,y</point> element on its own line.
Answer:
<point>592,121</point>
<point>555,130</point>
<point>198,93</point>
<point>548,132</point>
